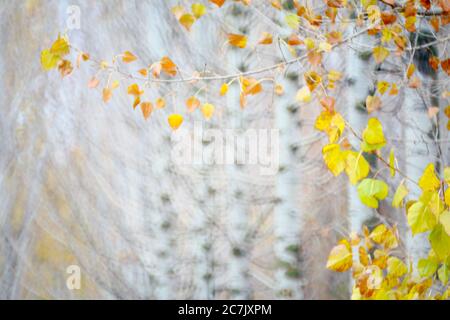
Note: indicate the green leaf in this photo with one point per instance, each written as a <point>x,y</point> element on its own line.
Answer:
<point>392,163</point>
<point>440,242</point>
<point>443,274</point>
<point>292,20</point>
<point>372,190</point>
<point>399,195</point>
<point>427,268</point>
<point>444,219</point>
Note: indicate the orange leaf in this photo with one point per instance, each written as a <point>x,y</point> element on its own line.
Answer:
<point>136,102</point>
<point>192,103</point>
<point>160,103</point>
<point>143,72</point>
<point>219,3</point>
<point>237,40</point>
<point>93,83</point>
<point>107,94</point>
<point>445,64</point>
<point>266,38</point>
<point>187,20</point>
<point>250,86</point>
<point>168,66</point>
<point>134,90</point>
<point>128,57</point>
<point>147,109</point>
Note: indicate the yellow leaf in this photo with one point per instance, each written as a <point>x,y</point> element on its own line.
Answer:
<point>420,218</point>
<point>373,137</point>
<point>427,267</point>
<point>60,47</point>
<point>304,95</point>
<point>115,84</point>
<point>340,258</point>
<point>447,196</point>
<point>128,57</point>
<point>147,109</point>
<point>279,90</point>
<point>410,71</point>
<point>373,103</point>
<point>356,166</point>
<point>447,174</point>
<point>370,191</point>
<point>192,103</point>
<point>208,110</point>
<point>49,60</point>
<point>396,267</point>
<point>334,158</point>
<point>175,121</point>
<point>429,181</point>
<point>399,195</point>
<point>250,86</point>
<point>178,11</point>
<point>224,89</point>
<point>312,79</point>
<point>382,86</point>
<point>107,94</point>
<point>392,163</point>
<point>198,9</point>
<point>237,40</point>
<point>332,123</point>
<point>380,54</point>
<point>187,20</point>
<point>325,46</point>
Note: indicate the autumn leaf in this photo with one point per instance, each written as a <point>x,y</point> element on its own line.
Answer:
<point>60,47</point>
<point>373,137</point>
<point>266,38</point>
<point>107,94</point>
<point>187,20</point>
<point>128,57</point>
<point>237,40</point>
<point>382,86</point>
<point>49,60</point>
<point>427,267</point>
<point>279,89</point>
<point>160,103</point>
<point>192,103</point>
<point>340,258</point>
<point>429,181</point>
<point>175,121</point>
<point>168,66</point>
<point>396,267</point>
<point>334,158</point>
<point>219,3</point>
<point>147,109</point>
<point>331,123</point>
<point>380,54</point>
<point>304,95</point>
<point>198,10</point>
<point>373,103</point>
<point>392,163</point>
<point>312,79</point>
<point>250,86</point>
<point>420,218</point>
<point>93,83</point>
<point>440,241</point>
<point>356,166</point>
<point>65,67</point>
<point>223,89</point>
<point>208,110</point>
<point>399,195</point>
<point>445,64</point>
<point>370,191</point>
<point>134,90</point>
